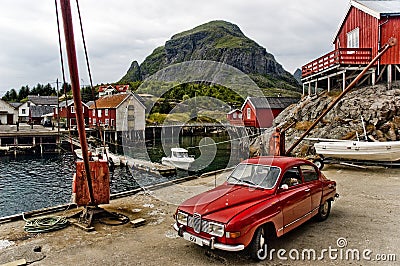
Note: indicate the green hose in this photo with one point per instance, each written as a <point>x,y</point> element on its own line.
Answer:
<point>45,224</point>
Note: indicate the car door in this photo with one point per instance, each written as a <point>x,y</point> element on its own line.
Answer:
<point>311,178</point>
<point>295,199</point>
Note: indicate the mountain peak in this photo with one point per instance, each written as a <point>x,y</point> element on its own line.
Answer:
<point>218,41</point>
<point>213,26</point>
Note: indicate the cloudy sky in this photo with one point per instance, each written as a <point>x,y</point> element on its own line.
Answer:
<point>120,31</point>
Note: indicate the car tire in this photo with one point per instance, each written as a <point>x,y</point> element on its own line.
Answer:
<point>258,247</point>
<point>323,211</point>
<point>319,163</point>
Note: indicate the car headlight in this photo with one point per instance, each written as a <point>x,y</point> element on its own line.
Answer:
<point>182,218</point>
<point>216,229</point>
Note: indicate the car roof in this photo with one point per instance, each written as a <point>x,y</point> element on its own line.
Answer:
<point>282,162</point>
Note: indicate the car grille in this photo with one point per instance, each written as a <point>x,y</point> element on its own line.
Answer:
<point>197,223</point>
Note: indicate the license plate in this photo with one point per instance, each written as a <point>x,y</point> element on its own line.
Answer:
<point>192,238</point>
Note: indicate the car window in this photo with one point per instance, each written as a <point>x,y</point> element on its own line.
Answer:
<point>291,177</point>
<point>257,175</point>
<point>309,173</point>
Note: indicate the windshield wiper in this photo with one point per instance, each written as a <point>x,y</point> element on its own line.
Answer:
<point>249,182</point>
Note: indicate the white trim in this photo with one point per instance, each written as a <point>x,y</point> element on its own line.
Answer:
<point>365,9</point>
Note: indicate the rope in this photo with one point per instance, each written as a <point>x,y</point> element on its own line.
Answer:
<point>63,74</point>
<point>90,77</point>
<point>45,224</point>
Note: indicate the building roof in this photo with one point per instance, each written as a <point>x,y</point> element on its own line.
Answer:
<point>378,9</point>
<point>71,102</point>
<point>270,102</point>
<point>118,88</point>
<point>234,111</point>
<point>43,100</point>
<point>39,110</point>
<point>113,101</point>
<point>15,105</point>
<point>110,101</point>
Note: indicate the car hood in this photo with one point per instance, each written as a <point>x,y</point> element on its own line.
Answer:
<point>225,201</point>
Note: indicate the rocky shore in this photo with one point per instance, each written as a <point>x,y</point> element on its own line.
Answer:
<point>378,106</point>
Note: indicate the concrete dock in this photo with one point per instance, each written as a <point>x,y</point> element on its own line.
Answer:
<point>366,216</point>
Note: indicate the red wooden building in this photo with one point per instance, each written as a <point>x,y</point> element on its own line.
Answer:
<point>67,111</point>
<point>259,112</point>
<point>235,117</point>
<point>112,89</point>
<point>365,29</point>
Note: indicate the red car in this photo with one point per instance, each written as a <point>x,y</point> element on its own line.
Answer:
<point>263,197</point>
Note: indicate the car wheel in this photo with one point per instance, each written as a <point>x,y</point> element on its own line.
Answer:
<point>323,211</point>
<point>258,248</point>
<point>319,163</point>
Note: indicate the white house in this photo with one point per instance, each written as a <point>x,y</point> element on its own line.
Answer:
<point>122,112</point>
<point>8,113</point>
<point>33,100</point>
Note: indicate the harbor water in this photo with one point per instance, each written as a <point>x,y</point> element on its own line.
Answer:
<point>30,182</point>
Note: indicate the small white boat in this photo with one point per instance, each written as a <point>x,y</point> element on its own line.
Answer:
<point>179,159</point>
<point>388,151</point>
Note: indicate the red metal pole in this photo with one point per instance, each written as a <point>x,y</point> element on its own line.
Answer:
<point>74,75</point>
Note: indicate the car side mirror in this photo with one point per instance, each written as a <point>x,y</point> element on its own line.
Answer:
<point>284,187</point>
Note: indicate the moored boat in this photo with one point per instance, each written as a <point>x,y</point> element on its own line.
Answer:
<point>179,159</point>
<point>388,151</point>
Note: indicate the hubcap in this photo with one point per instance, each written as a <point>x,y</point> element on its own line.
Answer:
<point>325,208</point>
<point>262,239</point>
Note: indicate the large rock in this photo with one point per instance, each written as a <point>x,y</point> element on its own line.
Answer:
<point>378,106</point>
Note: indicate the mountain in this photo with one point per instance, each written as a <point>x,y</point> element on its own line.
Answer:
<point>217,41</point>
<point>297,75</point>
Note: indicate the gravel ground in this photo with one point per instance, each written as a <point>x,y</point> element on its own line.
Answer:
<point>364,219</point>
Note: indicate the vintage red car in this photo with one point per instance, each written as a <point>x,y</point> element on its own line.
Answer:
<point>263,197</point>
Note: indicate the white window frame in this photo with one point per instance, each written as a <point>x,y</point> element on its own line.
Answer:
<point>94,121</point>
<point>105,112</point>
<point>99,112</point>
<point>72,109</point>
<point>107,122</point>
<point>248,112</point>
<point>353,38</point>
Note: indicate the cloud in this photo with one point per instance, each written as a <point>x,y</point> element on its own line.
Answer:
<point>118,32</point>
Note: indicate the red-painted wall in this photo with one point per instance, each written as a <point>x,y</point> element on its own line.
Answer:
<point>111,116</point>
<point>369,31</point>
<point>63,111</point>
<point>260,118</point>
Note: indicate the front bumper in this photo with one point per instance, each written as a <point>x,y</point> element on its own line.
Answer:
<point>211,243</point>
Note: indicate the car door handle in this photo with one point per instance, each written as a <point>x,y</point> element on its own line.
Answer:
<point>307,190</point>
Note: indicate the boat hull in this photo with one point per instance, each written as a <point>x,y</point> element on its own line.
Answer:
<point>358,150</point>
<point>180,164</point>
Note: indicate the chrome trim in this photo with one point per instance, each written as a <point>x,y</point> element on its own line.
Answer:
<point>298,219</point>
<point>211,242</point>
<point>197,224</point>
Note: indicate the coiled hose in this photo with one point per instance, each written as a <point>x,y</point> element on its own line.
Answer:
<point>45,224</point>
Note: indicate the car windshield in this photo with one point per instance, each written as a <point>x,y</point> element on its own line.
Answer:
<point>257,175</point>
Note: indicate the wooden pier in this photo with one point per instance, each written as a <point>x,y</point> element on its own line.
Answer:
<point>25,138</point>
<point>147,166</point>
